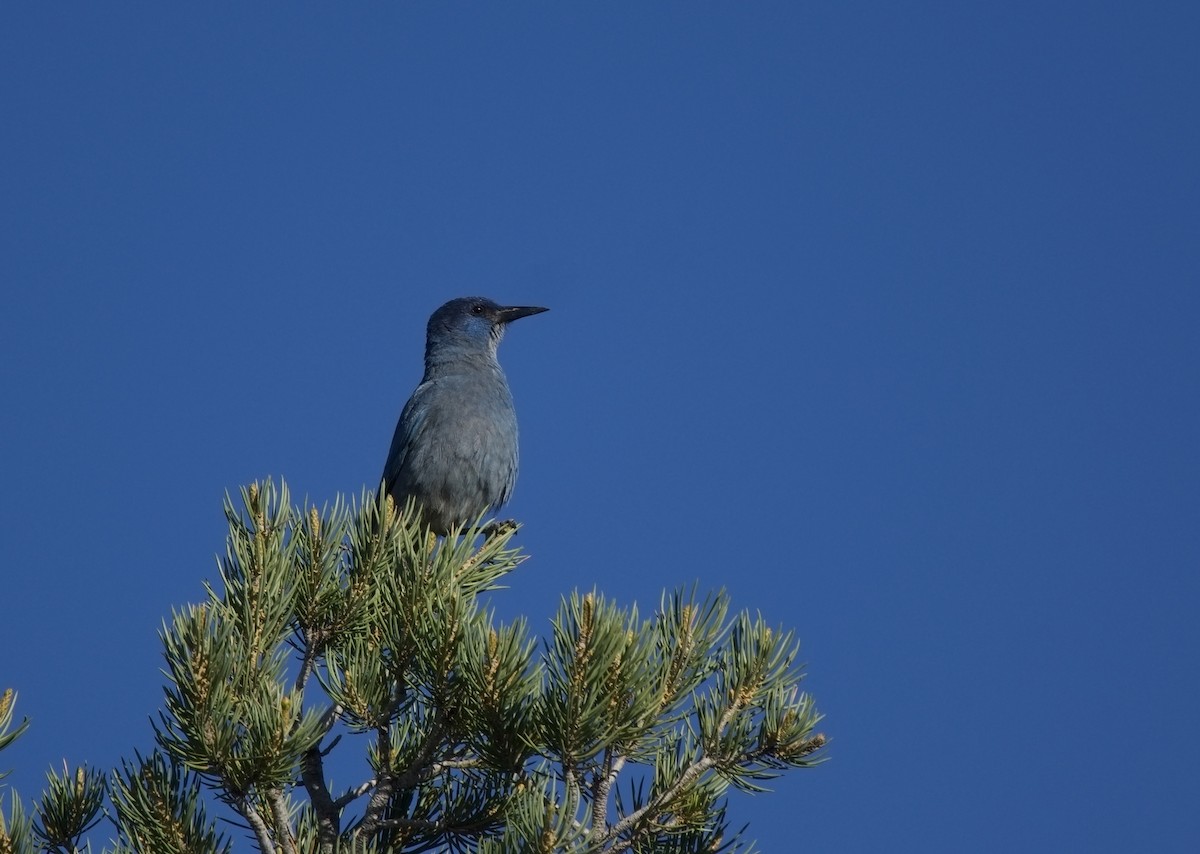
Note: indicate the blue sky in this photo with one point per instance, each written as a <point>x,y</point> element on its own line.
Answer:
<point>881,316</point>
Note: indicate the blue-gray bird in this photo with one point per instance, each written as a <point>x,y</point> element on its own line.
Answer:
<point>455,447</point>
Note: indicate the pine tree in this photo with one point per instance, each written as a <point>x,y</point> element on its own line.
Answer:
<point>350,629</point>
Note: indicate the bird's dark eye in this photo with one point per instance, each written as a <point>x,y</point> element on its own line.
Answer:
<point>477,309</point>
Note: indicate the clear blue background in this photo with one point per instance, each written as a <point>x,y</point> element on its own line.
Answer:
<point>882,316</point>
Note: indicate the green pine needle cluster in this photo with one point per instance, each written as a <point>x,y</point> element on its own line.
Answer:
<point>352,629</point>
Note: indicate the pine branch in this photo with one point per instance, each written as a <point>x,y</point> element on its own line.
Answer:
<point>477,744</point>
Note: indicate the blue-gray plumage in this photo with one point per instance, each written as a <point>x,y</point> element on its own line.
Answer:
<point>455,447</point>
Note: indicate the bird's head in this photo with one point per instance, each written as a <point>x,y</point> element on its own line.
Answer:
<point>472,324</point>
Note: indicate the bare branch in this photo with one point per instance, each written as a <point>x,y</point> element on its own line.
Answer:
<point>306,666</point>
<point>327,812</point>
<point>257,825</point>
<point>312,774</point>
<point>331,746</point>
<point>384,786</point>
<point>279,814</point>
<point>355,793</point>
<point>330,718</point>
<point>601,787</point>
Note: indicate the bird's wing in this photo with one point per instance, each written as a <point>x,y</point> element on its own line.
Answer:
<point>411,424</point>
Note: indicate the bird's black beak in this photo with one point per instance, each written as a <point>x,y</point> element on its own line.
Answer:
<point>516,312</point>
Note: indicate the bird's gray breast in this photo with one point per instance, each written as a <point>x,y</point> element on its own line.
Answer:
<point>456,447</point>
